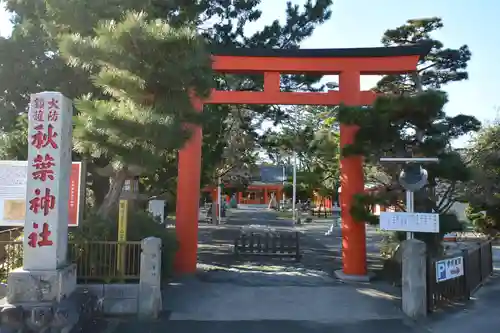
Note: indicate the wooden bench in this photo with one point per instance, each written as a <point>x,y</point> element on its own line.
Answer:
<point>268,243</point>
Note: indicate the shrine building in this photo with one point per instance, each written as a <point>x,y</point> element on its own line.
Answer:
<point>265,181</point>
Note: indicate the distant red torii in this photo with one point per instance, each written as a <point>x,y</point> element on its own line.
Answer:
<point>349,64</point>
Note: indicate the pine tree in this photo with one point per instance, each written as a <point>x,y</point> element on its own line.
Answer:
<point>312,133</point>
<point>31,60</point>
<point>147,69</point>
<point>440,67</point>
<point>482,192</point>
<point>222,23</point>
<point>410,120</point>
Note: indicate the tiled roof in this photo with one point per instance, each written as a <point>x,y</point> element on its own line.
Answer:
<point>270,174</point>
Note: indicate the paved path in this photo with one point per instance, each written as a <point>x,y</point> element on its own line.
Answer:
<point>259,297</point>
<point>195,306</point>
<point>333,242</point>
<point>268,326</point>
<point>253,297</point>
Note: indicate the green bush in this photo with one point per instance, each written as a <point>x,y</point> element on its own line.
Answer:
<point>140,225</point>
<point>485,219</point>
<point>389,244</point>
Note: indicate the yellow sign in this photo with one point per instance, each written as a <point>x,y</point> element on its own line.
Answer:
<point>122,235</point>
<point>122,221</point>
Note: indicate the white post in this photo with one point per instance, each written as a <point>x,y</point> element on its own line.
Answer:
<point>219,201</point>
<point>409,209</point>
<point>283,193</point>
<point>294,182</point>
<point>48,183</point>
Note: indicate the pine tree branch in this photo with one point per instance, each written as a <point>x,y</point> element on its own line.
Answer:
<point>445,197</point>
<point>426,68</point>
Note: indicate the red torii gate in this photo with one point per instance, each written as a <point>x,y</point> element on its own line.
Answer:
<point>349,64</point>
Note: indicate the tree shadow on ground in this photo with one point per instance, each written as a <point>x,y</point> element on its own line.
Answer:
<point>320,259</point>
<point>216,247</point>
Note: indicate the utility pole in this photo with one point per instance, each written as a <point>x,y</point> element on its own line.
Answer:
<point>283,191</point>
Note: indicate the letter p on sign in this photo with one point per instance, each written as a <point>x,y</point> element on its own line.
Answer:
<point>440,271</point>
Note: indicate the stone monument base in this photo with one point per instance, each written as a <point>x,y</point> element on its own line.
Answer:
<point>353,278</point>
<point>25,286</point>
<point>40,300</point>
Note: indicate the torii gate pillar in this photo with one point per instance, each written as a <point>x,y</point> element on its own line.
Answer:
<point>352,179</point>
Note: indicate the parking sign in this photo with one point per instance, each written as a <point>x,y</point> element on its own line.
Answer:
<point>450,268</point>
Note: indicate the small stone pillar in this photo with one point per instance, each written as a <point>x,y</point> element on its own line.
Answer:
<point>150,301</point>
<point>414,278</point>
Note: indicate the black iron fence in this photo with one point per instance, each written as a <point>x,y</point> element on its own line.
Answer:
<point>455,278</point>
<point>97,261</point>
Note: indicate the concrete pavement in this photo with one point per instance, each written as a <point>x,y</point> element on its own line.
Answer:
<point>333,243</point>
<point>480,313</point>
<point>268,326</point>
<point>257,297</point>
<point>253,297</point>
<point>195,306</point>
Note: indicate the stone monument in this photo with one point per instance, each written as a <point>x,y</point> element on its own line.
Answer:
<point>39,295</point>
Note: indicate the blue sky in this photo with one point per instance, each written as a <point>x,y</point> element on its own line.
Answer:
<point>361,23</point>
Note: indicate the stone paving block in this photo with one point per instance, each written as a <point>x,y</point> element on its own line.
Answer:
<point>96,289</point>
<point>119,291</point>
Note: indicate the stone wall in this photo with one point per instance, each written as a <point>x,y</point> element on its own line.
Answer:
<point>119,298</point>
<point>143,298</point>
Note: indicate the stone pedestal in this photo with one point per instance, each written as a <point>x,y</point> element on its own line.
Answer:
<point>339,274</point>
<point>75,311</point>
<point>25,286</point>
<point>41,301</point>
